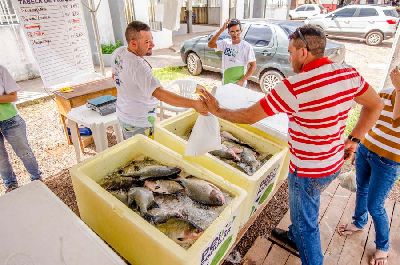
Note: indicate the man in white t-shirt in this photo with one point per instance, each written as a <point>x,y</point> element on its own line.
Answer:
<point>137,89</point>
<point>238,60</point>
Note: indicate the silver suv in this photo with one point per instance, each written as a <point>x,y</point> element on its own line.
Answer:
<point>369,22</point>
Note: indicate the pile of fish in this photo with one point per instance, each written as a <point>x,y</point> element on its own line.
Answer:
<point>238,154</point>
<point>179,205</point>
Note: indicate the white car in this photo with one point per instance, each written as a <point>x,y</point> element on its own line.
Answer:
<point>370,22</point>
<point>306,11</point>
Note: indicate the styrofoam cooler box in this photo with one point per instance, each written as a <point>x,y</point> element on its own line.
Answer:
<point>276,137</point>
<point>132,236</point>
<point>38,228</point>
<point>259,186</point>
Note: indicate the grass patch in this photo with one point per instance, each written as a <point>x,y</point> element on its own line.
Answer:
<point>354,113</point>
<point>168,74</point>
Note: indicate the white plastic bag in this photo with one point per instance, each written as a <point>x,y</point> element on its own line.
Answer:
<point>205,136</point>
<point>348,180</point>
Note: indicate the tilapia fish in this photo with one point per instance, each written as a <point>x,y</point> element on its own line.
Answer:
<point>202,191</point>
<point>154,171</point>
<point>163,186</point>
<point>229,137</point>
<point>116,182</point>
<point>161,215</point>
<point>248,161</point>
<point>181,231</point>
<point>121,195</point>
<point>143,198</point>
<point>226,153</point>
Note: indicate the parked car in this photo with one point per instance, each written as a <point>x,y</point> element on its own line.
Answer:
<point>369,22</point>
<point>270,43</point>
<point>306,11</point>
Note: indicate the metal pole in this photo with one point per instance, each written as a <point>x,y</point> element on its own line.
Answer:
<point>189,13</point>
<point>92,11</point>
<point>289,3</point>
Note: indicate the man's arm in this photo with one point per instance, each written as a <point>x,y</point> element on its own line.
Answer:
<point>212,43</point>
<point>249,72</point>
<point>8,98</point>
<point>179,101</point>
<point>248,115</point>
<point>395,77</point>
<point>372,106</point>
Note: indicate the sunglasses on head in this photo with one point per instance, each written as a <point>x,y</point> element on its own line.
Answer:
<point>303,39</point>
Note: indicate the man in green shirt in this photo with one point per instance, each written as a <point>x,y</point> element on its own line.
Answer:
<point>13,129</point>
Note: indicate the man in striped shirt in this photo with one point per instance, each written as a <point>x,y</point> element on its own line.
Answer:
<point>317,101</point>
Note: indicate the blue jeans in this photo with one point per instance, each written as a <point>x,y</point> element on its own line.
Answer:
<point>375,177</point>
<point>14,131</point>
<point>304,202</point>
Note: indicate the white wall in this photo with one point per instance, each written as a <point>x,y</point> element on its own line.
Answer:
<point>162,39</point>
<point>15,53</point>
<point>141,10</point>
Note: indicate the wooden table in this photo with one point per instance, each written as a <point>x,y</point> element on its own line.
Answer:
<point>80,95</point>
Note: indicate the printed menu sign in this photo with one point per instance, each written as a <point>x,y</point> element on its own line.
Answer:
<point>57,34</point>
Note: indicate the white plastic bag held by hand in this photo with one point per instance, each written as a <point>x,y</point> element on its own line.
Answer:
<point>348,180</point>
<point>205,136</point>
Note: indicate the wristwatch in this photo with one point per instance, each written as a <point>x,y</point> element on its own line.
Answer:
<point>354,139</point>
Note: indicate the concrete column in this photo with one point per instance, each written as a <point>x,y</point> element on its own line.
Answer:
<point>224,11</point>
<point>239,9</point>
<point>118,20</point>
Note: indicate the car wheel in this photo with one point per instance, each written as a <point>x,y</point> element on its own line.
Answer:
<point>374,38</point>
<point>194,64</point>
<point>269,79</point>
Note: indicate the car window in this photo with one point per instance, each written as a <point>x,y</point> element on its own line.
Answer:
<point>301,8</point>
<point>259,35</point>
<point>368,12</point>
<point>310,8</point>
<point>391,13</point>
<point>224,35</point>
<point>345,12</point>
<point>289,28</point>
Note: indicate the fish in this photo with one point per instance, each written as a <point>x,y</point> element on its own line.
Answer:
<point>225,153</point>
<point>143,198</point>
<point>249,158</point>
<point>202,191</point>
<point>246,168</point>
<point>163,186</point>
<point>160,215</point>
<point>121,195</point>
<point>154,171</point>
<point>183,232</point>
<point>229,137</point>
<point>117,182</point>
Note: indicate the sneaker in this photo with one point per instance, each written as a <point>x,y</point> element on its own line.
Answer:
<point>281,238</point>
<point>11,187</point>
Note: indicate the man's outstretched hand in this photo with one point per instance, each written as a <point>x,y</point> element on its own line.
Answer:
<point>209,101</point>
<point>200,107</point>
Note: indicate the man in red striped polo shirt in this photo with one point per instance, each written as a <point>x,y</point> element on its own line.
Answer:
<point>317,101</point>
